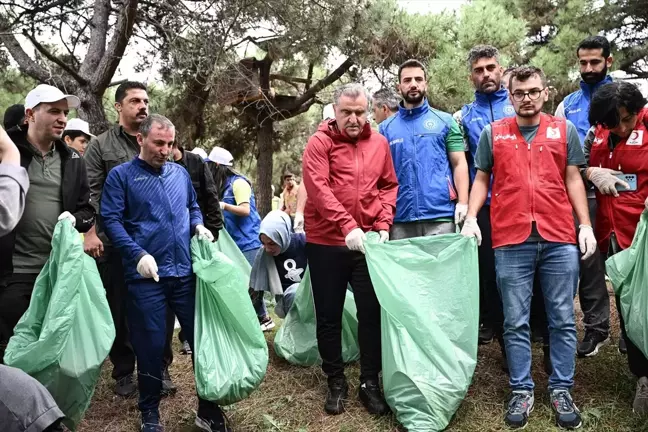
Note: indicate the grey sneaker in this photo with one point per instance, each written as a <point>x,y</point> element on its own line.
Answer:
<point>519,407</point>
<point>567,414</point>
<point>640,404</point>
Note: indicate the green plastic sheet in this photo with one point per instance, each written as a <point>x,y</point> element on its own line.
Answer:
<point>628,273</point>
<point>67,331</point>
<point>296,340</point>
<point>231,353</point>
<point>226,245</point>
<point>428,289</point>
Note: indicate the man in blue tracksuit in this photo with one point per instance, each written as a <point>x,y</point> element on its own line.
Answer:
<point>491,103</point>
<point>429,157</point>
<point>594,59</point>
<point>150,211</point>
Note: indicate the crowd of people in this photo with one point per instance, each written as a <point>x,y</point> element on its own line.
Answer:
<point>547,198</point>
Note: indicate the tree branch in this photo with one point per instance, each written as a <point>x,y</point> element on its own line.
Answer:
<point>41,49</point>
<point>25,63</point>
<point>98,31</point>
<point>324,82</point>
<point>113,55</point>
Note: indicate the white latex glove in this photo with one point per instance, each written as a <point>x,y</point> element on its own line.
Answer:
<point>586,241</point>
<point>471,229</point>
<point>299,223</point>
<point>147,268</point>
<point>67,215</point>
<point>222,204</point>
<point>204,234</point>
<point>384,236</point>
<point>646,203</point>
<point>355,240</point>
<point>605,181</point>
<point>461,210</point>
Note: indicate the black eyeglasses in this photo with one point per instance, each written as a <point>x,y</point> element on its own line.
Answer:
<point>534,94</point>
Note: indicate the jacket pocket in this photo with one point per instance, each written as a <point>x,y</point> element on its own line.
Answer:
<point>113,159</point>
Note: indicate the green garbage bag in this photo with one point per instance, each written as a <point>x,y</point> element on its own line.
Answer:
<point>628,272</point>
<point>67,331</point>
<point>226,245</point>
<point>231,353</point>
<point>296,340</point>
<point>428,289</point>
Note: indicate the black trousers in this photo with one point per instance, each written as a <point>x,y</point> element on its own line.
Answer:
<point>637,361</point>
<point>15,295</point>
<point>331,269</point>
<point>490,302</point>
<point>121,354</point>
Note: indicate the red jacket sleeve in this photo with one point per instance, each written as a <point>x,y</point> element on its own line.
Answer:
<point>388,191</point>
<point>316,171</point>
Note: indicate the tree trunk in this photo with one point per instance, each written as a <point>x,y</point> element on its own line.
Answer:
<point>92,111</point>
<point>264,167</point>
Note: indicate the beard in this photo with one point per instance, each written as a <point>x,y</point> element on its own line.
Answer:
<point>594,77</point>
<point>414,100</point>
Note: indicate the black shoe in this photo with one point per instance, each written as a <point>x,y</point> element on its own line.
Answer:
<point>546,360</point>
<point>186,348</point>
<point>151,422</point>
<point>168,388</point>
<point>338,391</point>
<point>372,398</point>
<point>210,418</point>
<point>125,386</point>
<point>486,335</point>
<point>567,415</point>
<point>519,407</point>
<point>622,346</point>
<point>592,341</point>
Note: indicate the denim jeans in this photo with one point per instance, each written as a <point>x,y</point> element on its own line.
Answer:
<point>257,298</point>
<point>557,266</point>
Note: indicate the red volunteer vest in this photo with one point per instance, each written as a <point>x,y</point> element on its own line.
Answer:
<point>621,215</point>
<point>529,183</point>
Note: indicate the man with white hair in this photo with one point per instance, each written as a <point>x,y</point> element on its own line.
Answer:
<point>352,187</point>
<point>58,189</point>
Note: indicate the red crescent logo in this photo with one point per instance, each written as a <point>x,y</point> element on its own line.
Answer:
<point>634,135</point>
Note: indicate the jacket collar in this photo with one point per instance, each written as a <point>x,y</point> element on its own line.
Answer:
<point>144,165</point>
<point>19,136</point>
<point>589,89</point>
<point>499,96</point>
<point>413,112</point>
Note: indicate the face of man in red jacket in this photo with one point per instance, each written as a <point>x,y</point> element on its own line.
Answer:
<point>351,114</point>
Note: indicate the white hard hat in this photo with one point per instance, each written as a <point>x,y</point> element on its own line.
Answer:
<point>221,156</point>
<point>78,125</point>
<point>200,152</point>
<point>44,93</point>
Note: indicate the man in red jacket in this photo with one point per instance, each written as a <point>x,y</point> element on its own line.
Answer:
<point>352,187</point>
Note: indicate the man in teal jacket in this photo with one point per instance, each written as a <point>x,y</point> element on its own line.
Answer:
<point>429,157</point>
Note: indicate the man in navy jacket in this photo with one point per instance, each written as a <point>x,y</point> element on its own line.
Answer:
<point>150,211</point>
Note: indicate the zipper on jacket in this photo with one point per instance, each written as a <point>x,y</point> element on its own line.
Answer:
<point>175,236</point>
<point>490,104</point>
<point>357,189</point>
<point>530,154</point>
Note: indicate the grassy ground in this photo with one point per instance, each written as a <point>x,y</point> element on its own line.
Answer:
<point>291,398</point>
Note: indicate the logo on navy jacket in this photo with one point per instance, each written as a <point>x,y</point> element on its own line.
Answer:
<point>509,110</point>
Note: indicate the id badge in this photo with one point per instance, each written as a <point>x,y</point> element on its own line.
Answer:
<point>631,179</point>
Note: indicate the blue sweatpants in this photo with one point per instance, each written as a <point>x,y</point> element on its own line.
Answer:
<point>147,308</point>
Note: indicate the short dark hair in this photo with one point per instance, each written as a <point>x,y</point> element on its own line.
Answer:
<point>74,134</point>
<point>411,63</point>
<point>14,116</point>
<point>388,97</point>
<point>595,42</point>
<point>523,73</point>
<point>482,51</point>
<point>605,104</point>
<point>508,70</point>
<point>120,93</point>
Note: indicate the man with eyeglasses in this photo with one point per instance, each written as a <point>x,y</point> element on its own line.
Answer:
<point>534,159</point>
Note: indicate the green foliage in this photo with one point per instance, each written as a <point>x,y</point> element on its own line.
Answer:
<point>14,86</point>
